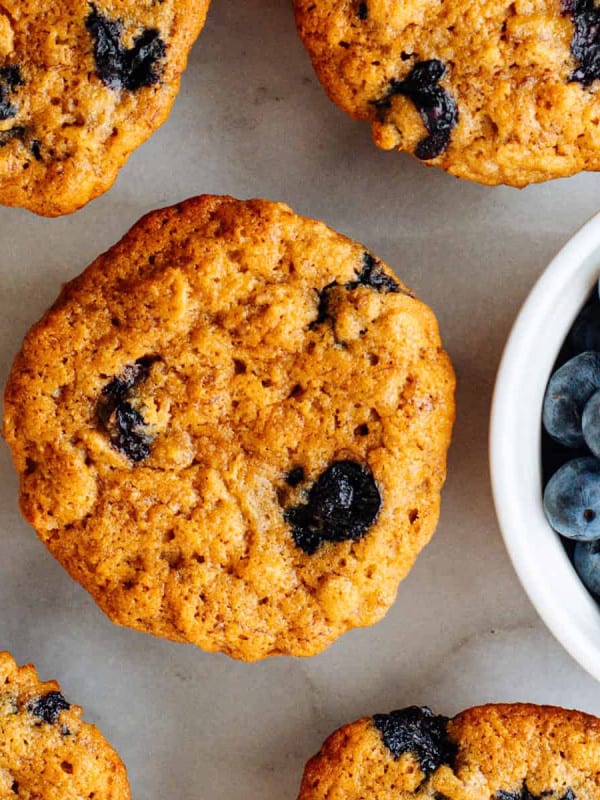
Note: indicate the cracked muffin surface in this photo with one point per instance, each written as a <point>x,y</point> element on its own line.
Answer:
<point>495,752</point>
<point>46,750</point>
<point>232,428</point>
<point>82,84</point>
<point>492,91</point>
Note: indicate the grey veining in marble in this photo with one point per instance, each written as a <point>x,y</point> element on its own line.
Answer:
<point>251,120</point>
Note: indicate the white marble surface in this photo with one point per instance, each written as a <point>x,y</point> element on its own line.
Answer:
<point>251,120</point>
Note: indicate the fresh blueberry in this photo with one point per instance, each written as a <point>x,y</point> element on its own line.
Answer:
<point>572,499</point>
<point>585,333</point>
<point>418,731</point>
<point>555,455</point>
<point>590,423</point>
<point>586,558</point>
<point>568,391</point>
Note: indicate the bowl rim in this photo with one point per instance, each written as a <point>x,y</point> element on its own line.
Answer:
<point>537,554</point>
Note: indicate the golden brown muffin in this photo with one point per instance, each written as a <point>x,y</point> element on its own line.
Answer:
<point>82,84</point>
<point>47,751</point>
<point>492,91</point>
<point>232,429</point>
<point>493,752</point>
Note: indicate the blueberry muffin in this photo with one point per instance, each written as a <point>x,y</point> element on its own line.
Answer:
<point>47,751</point>
<point>493,752</point>
<point>491,91</point>
<point>232,429</point>
<point>82,84</point>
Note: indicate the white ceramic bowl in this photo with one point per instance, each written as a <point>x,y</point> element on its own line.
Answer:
<point>536,551</point>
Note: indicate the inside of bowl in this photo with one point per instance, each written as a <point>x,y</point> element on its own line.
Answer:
<point>537,552</point>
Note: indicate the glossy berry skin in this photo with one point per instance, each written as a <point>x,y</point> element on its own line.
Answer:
<point>572,499</point>
<point>585,44</point>
<point>119,67</point>
<point>569,389</point>
<point>586,559</point>
<point>10,79</point>
<point>124,423</point>
<point>341,506</point>
<point>47,708</point>
<point>418,731</point>
<point>590,423</point>
<point>436,106</point>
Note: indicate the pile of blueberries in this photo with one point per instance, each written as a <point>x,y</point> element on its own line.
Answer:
<point>571,445</point>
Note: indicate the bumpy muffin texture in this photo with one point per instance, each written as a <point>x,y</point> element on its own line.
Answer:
<point>492,91</point>
<point>494,752</point>
<point>232,429</point>
<point>47,752</point>
<point>82,84</point>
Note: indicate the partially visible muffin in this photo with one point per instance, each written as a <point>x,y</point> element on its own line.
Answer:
<point>493,752</point>
<point>491,91</point>
<point>232,429</point>
<point>47,751</point>
<point>82,84</point>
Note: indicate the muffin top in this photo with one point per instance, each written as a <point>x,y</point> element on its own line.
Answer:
<point>232,429</point>
<point>493,752</point>
<point>491,91</point>
<point>81,86</point>
<point>46,750</point>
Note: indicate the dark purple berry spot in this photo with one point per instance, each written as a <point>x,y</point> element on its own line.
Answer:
<point>418,731</point>
<point>119,67</point>
<point>323,305</point>
<point>372,275</point>
<point>524,794</point>
<point>585,44</point>
<point>436,106</point>
<point>18,132</point>
<point>124,423</point>
<point>21,134</point>
<point>15,787</point>
<point>10,78</point>
<point>36,149</point>
<point>132,375</point>
<point>363,11</point>
<point>48,707</point>
<point>295,476</point>
<point>341,506</point>
<point>130,436</point>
